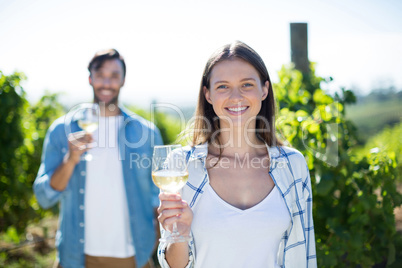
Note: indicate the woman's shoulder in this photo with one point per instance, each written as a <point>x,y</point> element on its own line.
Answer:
<point>196,152</point>
<point>292,156</point>
<point>286,151</point>
<point>287,154</point>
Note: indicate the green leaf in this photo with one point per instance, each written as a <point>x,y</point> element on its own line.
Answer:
<point>323,188</point>
<point>391,253</point>
<point>12,235</point>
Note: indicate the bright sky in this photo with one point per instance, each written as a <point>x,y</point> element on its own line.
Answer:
<point>167,43</point>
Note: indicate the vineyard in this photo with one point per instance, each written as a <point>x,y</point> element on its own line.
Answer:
<point>356,181</point>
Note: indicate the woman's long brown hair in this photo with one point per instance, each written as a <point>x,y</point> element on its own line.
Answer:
<point>207,122</point>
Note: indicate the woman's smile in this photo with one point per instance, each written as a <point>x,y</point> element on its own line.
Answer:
<point>238,110</point>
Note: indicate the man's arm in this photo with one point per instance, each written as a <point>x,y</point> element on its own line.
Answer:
<point>56,169</point>
<point>77,145</point>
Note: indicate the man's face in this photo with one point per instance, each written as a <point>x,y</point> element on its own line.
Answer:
<point>107,81</point>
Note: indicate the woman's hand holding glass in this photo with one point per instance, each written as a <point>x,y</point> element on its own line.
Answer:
<point>172,209</point>
<point>170,174</point>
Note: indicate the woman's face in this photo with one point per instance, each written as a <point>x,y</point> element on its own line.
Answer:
<point>236,93</point>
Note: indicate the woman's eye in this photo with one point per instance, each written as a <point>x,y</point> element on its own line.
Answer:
<point>222,87</point>
<point>248,85</point>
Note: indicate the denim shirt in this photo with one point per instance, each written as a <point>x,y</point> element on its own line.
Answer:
<point>289,171</point>
<point>136,140</point>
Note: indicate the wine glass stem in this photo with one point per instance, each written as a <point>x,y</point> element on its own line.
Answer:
<point>87,156</point>
<point>174,231</point>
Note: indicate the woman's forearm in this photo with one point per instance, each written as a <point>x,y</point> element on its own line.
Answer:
<point>177,255</point>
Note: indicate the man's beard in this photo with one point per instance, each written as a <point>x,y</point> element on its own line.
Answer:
<point>112,101</point>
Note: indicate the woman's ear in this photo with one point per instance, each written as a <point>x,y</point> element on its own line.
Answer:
<point>265,90</point>
<point>207,94</point>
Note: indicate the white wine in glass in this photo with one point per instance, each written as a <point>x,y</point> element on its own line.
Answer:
<point>170,181</point>
<point>87,116</point>
<point>88,127</point>
<point>170,174</point>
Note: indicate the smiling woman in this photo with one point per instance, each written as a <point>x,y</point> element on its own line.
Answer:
<point>246,193</point>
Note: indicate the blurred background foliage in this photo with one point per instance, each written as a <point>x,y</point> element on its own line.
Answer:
<point>23,127</point>
<point>355,176</point>
<point>375,111</point>
<point>354,194</point>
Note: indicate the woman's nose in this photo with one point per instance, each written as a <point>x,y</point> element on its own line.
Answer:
<point>236,96</point>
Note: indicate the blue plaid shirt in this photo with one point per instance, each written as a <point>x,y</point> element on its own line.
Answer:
<point>290,174</point>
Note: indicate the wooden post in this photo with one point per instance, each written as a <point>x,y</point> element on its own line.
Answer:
<point>298,46</point>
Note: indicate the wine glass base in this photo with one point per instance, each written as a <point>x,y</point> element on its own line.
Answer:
<point>175,239</point>
<point>88,157</point>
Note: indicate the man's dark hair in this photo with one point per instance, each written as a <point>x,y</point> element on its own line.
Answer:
<point>104,55</point>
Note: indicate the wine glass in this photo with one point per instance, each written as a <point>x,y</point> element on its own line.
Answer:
<point>170,174</point>
<point>87,116</point>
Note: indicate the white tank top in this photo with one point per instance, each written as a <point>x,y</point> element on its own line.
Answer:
<point>226,236</point>
<point>107,226</point>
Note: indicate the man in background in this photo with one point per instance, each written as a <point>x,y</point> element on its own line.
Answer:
<point>106,204</point>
